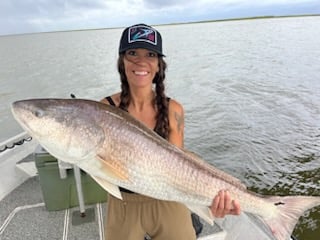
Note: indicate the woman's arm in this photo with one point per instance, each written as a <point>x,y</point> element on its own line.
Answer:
<point>176,123</point>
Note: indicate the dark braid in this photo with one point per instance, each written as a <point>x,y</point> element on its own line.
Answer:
<point>125,92</point>
<point>160,101</point>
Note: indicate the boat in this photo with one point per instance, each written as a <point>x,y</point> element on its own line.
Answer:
<point>33,206</point>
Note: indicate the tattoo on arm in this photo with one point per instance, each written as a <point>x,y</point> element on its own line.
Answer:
<point>180,120</point>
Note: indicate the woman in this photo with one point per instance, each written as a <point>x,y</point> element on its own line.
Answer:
<point>141,65</point>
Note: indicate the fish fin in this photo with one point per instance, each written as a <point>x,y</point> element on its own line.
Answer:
<point>112,170</point>
<point>203,212</point>
<point>109,187</point>
<point>287,213</point>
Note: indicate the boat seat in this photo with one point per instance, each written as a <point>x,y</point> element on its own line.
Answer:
<point>63,167</point>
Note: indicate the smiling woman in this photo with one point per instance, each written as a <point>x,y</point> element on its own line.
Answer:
<point>141,65</point>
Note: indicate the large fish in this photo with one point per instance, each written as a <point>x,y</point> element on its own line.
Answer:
<point>117,150</point>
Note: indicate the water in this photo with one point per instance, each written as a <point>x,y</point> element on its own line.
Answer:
<point>250,89</point>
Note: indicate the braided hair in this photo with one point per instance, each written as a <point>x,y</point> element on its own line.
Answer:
<point>160,101</point>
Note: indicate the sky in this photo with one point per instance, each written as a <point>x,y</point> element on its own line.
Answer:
<point>32,16</point>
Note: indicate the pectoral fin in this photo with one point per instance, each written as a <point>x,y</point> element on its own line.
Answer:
<point>203,212</point>
<point>113,170</point>
<point>109,187</point>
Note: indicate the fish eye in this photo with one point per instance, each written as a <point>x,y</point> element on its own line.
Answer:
<point>38,113</point>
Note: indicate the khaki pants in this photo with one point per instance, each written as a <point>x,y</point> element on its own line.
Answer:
<point>137,215</point>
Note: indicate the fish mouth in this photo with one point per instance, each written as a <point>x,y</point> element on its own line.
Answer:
<point>17,109</point>
<point>20,112</point>
<point>26,110</point>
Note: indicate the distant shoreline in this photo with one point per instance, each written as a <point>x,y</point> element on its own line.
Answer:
<point>179,23</point>
<point>243,18</point>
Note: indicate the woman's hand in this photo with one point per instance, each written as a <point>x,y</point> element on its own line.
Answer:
<point>222,205</point>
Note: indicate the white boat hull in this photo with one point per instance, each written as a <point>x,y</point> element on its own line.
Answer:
<point>11,175</point>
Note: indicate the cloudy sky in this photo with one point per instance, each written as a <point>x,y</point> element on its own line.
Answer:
<point>29,16</point>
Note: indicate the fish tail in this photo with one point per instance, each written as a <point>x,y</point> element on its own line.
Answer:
<point>288,211</point>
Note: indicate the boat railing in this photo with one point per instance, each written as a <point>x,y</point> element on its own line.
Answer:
<point>10,145</point>
<point>12,151</point>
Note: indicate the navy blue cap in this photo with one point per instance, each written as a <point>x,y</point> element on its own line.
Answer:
<point>141,36</point>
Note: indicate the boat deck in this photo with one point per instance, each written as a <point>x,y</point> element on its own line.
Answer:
<point>24,216</point>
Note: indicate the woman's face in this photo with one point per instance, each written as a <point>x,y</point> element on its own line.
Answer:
<point>141,66</point>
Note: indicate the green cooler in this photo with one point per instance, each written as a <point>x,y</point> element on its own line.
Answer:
<point>61,193</point>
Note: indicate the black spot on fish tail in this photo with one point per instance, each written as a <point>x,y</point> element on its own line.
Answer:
<point>279,203</point>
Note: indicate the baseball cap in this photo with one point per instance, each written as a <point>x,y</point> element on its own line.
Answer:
<point>141,36</point>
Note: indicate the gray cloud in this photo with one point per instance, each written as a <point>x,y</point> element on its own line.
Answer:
<point>165,3</point>
<point>26,16</point>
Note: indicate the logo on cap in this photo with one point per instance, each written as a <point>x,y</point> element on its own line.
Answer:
<point>143,34</point>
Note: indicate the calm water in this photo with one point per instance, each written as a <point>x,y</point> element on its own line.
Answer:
<point>251,92</point>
